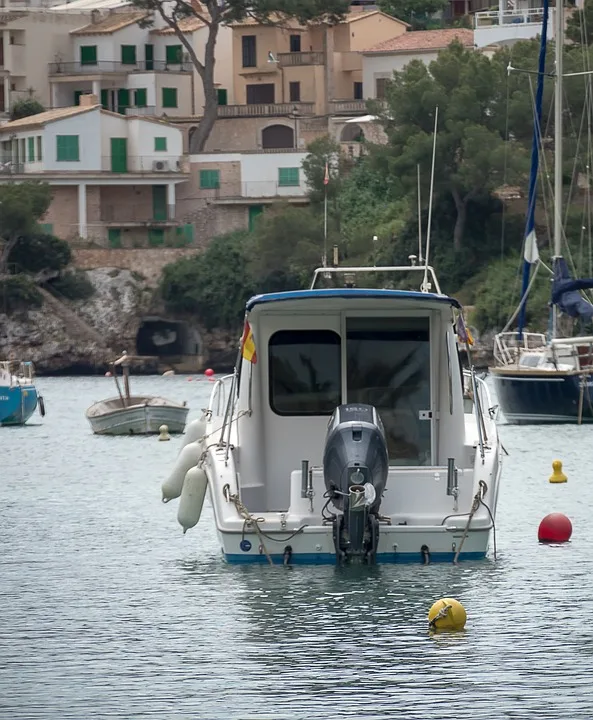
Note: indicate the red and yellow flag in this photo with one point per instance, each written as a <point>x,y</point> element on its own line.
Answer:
<point>326,176</point>
<point>248,344</point>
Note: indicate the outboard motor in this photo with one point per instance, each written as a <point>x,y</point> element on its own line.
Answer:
<point>355,466</point>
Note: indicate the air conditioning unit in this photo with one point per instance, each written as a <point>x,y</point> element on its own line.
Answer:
<point>160,166</point>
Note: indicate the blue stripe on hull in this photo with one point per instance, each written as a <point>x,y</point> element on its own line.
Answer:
<point>17,404</point>
<point>537,399</point>
<point>330,559</point>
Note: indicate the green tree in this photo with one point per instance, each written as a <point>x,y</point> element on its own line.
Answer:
<point>21,206</point>
<point>212,284</point>
<point>414,12</point>
<point>579,26</point>
<point>325,152</point>
<point>217,13</point>
<point>25,108</point>
<point>472,157</point>
<point>39,252</point>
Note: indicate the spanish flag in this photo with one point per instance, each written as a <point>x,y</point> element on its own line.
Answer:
<point>326,176</point>
<point>248,344</point>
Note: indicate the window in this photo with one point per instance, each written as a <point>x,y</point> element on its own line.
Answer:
<point>261,93</point>
<point>295,43</point>
<point>77,94</point>
<point>388,366</point>
<point>105,99</point>
<point>173,54</point>
<point>23,150</point>
<point>160,144</point>
<point>249,51</point>
<point>156,236</point>
<point>114,237</point>
<point>305,372</point>
<point>288,177</point>
<point>209,179</point>
<point>380,88</point>
<point>123,100</point>
<point>294,89</point>
<point>358,91</point>
<point>31,149</point>
<point>185,234</point>
<point>46,228</point>
<point>67,149</point>
<point>128,54</point>
<point>169,97</point>
<point>222,96</point>
<point>88,54</point>
<point>39,149</point>
<point>140,97</point>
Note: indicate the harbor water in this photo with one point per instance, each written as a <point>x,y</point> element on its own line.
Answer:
<point>108,611</point>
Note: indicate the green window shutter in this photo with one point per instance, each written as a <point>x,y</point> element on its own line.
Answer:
<point>149,57</point>
<point>185,234</point>
<point>105,99</point>
<point>288,177</point>
<point>47,228</point>
<point>169,97</point>
<point>222,96</point>
<point>39,148</point>
<point>140,97</point>
<point>156,236</point>
<point>77,94</point>
<point>114,237</point>
<point>159,203</point>
<point>128,54</point>
<point>123,100</point>
<point>67,149</point>
<point>88,54</point>
<point>173,54</point>
<point>160,144</point>
<point>254,212</point>
<point>209,179</point>
<point>31,149</point>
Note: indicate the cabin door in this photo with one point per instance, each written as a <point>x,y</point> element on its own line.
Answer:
<point>388,366</point>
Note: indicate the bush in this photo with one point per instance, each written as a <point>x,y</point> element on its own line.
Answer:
<point>40,251</point>
<point>25,108</point>
<point>19,292</point>
<point>73,285</point>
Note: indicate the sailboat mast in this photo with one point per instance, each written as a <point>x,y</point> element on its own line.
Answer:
<point>559,38</point>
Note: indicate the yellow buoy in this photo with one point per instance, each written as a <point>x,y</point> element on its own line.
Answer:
<point>447,614</point>
<point>164,433</point>
<point>557,476</point>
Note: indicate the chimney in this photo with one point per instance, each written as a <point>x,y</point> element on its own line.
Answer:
<point>88,100</point>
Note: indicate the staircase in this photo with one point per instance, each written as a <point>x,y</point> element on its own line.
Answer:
<point>75,324</point>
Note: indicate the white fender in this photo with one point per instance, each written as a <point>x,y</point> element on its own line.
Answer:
<point>187,458</point>
<point>192,498</point>
<point>194,431</point>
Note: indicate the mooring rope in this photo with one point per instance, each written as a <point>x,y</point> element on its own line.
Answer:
<point>478,498</point>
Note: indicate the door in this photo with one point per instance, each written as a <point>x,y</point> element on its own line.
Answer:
<point>123,100</point>
<point>159,203</point>
<point>254,212</point>
<point>149,57</point>
<point>119,155</point>
<point>388,366</point>
<point>105,99</point>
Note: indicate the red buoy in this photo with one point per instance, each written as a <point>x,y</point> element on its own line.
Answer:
<point>209,372</point>
<point>554,528</point>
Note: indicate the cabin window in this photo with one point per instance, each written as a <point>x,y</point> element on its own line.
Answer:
<point>305,372</point>
<point>388,366</point>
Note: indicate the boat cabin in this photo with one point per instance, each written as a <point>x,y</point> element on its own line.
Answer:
<point>317,349</point>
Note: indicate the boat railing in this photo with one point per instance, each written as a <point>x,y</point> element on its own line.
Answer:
<point>19,371</point>
<point>508,346</point>
<point>219,396</point>
<point>431,284</point>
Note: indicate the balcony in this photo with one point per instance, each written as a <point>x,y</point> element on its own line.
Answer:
<point>145,110</point>
<point>265,110</point>
<point>494,26</point>
<point>348,107</point>
<point>124,214</point>
<point>145,164</point>
<point>112,66</point>
<point>8,167</point>
<point>300,58</point>
<point>253,190</point>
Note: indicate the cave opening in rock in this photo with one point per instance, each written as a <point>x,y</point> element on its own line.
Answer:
<point>166,338</point>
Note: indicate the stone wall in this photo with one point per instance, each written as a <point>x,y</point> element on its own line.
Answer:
<point>148,262</point>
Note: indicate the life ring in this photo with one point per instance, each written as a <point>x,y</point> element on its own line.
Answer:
<point>41,406</point>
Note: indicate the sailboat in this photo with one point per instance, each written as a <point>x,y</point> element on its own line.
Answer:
<point>538,378</point>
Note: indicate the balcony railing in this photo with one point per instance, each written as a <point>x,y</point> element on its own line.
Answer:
<point>347,107</point>
<point>300,58</point>
<point>7,167</point>
<point>112,66</point>
<point>251,190</point>
<point>123,214</point>
<point>489,18</point>
<point>145,110</point>
<point>265,109</point>
<point>138,164</point>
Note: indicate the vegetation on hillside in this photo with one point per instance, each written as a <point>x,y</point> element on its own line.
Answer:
<point>483,143</point>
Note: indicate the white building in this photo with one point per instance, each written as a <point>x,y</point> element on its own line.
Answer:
<point>112,175</point>
<point>381,61</point>
<point>506,25</point>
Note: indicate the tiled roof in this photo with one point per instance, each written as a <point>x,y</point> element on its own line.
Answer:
<point>45,117</point>
<point>187,25</point>
<point>291,22</point>
<point>110,24</point>
<point>354,16</point>
<point>424,40</point>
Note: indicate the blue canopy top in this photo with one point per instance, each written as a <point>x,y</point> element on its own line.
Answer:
<point>350,293</point>
<point>565,292</point>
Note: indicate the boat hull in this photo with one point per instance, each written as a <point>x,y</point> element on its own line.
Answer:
<point>537,398</point>
<point>139,420</point>
<point>17,404</point>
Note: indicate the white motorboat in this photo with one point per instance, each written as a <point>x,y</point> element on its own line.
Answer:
<point>345,433</point>
<point>129,414</point>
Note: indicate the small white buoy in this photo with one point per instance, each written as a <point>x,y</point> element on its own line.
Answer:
<point>164,433</point>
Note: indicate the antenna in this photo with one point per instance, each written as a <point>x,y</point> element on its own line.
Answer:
<point>425,283</point>
<point>419,219</point>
